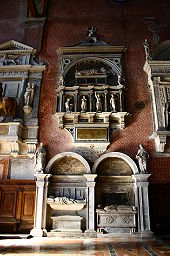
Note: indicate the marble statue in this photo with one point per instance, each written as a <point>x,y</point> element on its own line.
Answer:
<point>142,157</point>
<point>29,94</point>
<point>91,71</point>
<point>112,103</point>
<point>65,200</point>
<point>40,159</point>
<point>68,105</point>
<point>98,103</point>
<point>147,47</point>
<point>83,104</point>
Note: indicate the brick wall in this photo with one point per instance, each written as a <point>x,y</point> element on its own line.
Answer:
<point>119,24</point>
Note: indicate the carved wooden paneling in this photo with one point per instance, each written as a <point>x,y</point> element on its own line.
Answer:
<point>8,203</point>
<point>28,205</point>
<point>17,204</point>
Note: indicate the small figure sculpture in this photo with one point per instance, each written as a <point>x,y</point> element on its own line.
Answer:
<point>91,32</point>
<point>8,61</point>
<point>142,157</point>
<point>29,94</point>
<point>98,102</point>
<point>167,115</point>
<point>68,105</point>
<point>83,104</point>
<point>120,81</point>
<point>147,47</point>
<point>112,103</point>
<point>40,159</point>
<point>61,81</point>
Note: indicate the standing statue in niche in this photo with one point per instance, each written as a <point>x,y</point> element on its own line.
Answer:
<point>83,104</point>
<point>112,103</point>
<point>29,94</point>
<point>68,105</point>
<point>98,102</point>
<point>40,159</point>
<point>167,115</point>
<point>147,47</point>
<point>142,157</point>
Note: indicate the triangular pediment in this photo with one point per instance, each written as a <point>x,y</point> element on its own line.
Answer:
<point>14,45</point>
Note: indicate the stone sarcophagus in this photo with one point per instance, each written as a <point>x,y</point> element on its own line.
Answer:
<point>120,219</point>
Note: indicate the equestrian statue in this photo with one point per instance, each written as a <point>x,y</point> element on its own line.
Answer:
<point>8,105</point>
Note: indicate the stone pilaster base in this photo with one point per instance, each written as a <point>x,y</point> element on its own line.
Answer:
<point>37,232</point>
<point>90,233</point>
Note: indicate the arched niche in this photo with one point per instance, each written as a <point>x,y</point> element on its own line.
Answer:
<point>67,181</point>
<point>68,163</point>
<point>115,163</point>
<point>114,182</point>
<point>92,63</point>
<point>162,51</point>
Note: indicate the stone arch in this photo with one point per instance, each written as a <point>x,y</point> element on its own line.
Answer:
<point>70,155</point>
<point>110,63</point>
<point>162,51</point>
<point>119,155</point>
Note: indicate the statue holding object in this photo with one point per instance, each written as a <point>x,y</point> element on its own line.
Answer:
<point>98,102</point>
<point>147,47</point>
<point>142,157</point>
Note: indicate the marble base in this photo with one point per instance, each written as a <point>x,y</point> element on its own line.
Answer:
<point>37,232</point>
<point>66,223</point>
<point>90,233</point>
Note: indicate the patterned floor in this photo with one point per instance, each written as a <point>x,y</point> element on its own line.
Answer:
<point>78,247</point>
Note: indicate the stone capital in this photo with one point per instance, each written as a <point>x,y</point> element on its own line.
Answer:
<point>141,177</point>
<point>90,177</point>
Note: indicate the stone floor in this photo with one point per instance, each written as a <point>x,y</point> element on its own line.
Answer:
<point>98,247</point>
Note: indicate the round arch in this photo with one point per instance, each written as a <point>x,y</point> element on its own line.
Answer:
<point>162,51</point>
<point>67,154</point>
<point>114,67</point>
<point>120,155</point>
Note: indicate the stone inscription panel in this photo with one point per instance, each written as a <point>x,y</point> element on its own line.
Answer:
<point>21,169</point>
<point>91,134</point>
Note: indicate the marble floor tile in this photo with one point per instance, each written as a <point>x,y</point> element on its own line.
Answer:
<point>83,247</point>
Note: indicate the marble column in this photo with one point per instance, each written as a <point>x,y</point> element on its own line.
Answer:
<point>105,100</point>
<point>44,213</point>
<point>120,101</point>
<point>91,100</point>
<point>142,202</point>
<point>76,88</point>
<point>90,232</point>
<point>61,100</point>
<point>37,231</point>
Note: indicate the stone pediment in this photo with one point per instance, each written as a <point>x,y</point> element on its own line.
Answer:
<point>13,53</point>
<point>14,45</point>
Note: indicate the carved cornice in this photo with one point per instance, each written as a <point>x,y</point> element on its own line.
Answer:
<point>157,68</point>
<point>92,49</point>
